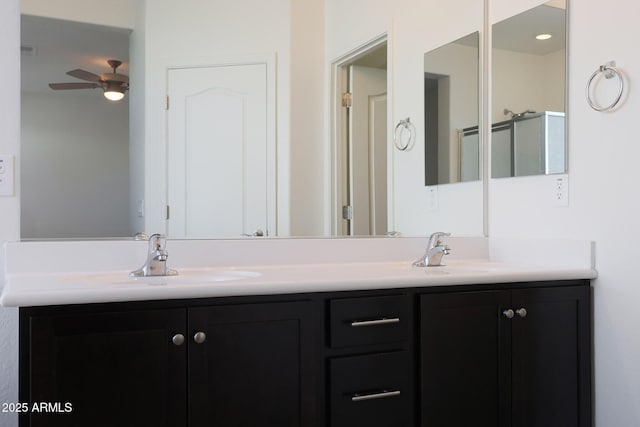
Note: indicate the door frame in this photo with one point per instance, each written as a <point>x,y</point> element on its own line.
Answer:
<point>270,61</point>
<point>338,145</point>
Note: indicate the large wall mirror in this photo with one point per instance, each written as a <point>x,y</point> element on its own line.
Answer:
<point>451,109</point>
<point>72,189</point>
<point>528,135</point>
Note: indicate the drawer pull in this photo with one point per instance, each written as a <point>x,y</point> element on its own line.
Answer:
<point>383,321</point>
<point>381,395</point>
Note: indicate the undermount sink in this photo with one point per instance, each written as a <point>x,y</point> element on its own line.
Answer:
<point>463,268</point>
<point>186,277</point>
<point>476,268</point>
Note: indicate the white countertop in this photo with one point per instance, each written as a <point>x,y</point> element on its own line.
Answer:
<point>64,288</point>
<point>36,287</point>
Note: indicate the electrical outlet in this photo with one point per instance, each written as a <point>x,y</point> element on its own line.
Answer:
<point>561,191</point>
<point>6,175</point>
<point>432,198</point>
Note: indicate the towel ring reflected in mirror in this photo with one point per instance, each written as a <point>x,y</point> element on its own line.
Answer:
<point>609,71</point>
<point>404,134</point>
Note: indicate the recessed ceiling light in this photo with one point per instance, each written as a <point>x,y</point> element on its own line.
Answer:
<point>543,36</point>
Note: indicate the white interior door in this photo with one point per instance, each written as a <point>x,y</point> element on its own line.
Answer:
<point>367,150</point>
<point>218,152</point>
<point>378,165</point>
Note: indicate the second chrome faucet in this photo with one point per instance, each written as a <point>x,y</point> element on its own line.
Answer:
<point>435,251</point>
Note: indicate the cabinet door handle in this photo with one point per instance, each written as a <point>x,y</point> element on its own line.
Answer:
<point>509,313</point>
<point>200,337</point>
<point>383,321</point>
<point>522,312</point>
<point>178,339</point>
<point>380,395</point>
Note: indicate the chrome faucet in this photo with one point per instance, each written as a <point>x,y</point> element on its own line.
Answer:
<point>156,264</point>
<point>435,251</point>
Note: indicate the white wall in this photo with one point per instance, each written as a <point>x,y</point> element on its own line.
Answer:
<point>523,82</point>
<point>461,64</point>
<point>75,153</point>
<point>306,118</point>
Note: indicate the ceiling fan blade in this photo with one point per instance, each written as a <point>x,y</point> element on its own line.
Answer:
<point>84,75</point>
<point>65,86</point>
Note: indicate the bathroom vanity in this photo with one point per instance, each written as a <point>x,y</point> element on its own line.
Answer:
<point>478,342</point>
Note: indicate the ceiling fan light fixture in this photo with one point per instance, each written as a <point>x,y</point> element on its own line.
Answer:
<point>114,85</point>
<point>113,92</point>
<point>113,95</point>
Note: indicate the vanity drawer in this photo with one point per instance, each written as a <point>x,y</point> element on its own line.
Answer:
<point>371,390</point>
<point>368,320</point>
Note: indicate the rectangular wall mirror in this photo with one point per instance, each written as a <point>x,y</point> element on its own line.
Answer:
<point>451,112</point>
<point>528,135</point>
<point>91,169</point>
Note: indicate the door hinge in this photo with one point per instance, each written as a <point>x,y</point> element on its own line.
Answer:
<point>347,100</point>
<point>167,105</point>
<point>168,212</point>
<point>347,212</point>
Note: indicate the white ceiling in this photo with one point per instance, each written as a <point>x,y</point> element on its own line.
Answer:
<point>518,32</point>
<point>60,46</point>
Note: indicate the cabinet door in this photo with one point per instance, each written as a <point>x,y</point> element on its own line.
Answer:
<point>252,366</point>
<point>113,368</point>
<point>464,359</point>
<point>551,362</point>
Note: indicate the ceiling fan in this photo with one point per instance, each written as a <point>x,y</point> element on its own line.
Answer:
<point>113,84</point>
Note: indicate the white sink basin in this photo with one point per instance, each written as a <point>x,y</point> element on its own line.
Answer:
<point>463,268</point>
<point>472,268</point>
<point>184,277</point>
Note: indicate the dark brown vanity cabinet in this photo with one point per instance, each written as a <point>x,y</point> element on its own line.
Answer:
<point>240,365</point>
<point>516,358</point>
<point>483,355</point>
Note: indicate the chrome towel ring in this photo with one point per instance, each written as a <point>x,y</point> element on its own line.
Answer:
<point>609,71</point>
<point>404,134</point>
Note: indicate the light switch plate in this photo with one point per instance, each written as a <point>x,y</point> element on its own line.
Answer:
<point>6,175</point>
